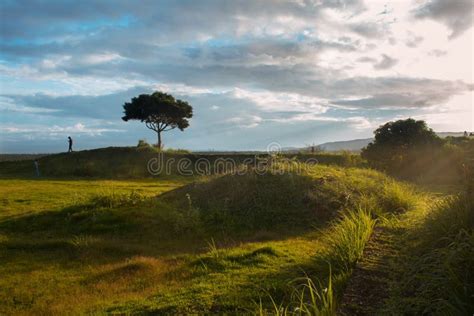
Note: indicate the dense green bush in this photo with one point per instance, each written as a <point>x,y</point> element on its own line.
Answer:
<point>409,149</point>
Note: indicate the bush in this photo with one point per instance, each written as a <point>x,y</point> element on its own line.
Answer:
<point>409,149</point>
<point>143,143</point>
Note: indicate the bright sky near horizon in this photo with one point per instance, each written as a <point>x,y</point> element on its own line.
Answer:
<point>294,72</point>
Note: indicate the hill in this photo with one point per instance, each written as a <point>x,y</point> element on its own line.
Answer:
<point>18,157</point>
<point>349,145</point>
<point>134,162</point>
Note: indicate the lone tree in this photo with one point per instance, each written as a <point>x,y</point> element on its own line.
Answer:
<point>402,146</point>
<point>160,111</point>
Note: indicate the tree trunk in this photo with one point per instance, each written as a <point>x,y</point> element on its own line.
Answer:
<point>159,145</point>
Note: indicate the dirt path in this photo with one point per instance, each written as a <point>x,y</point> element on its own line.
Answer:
<point>368,285</point>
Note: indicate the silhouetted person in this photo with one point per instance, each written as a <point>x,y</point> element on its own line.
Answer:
<point>69,139</point>
<point>465,134</point>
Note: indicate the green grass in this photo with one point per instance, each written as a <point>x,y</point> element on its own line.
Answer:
<point>433,273</point>
<point>131,162</point>
<point>225,244</point>
<point>20,197</point>
<point>344,242</point>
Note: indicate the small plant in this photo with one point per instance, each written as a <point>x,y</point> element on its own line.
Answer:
<point>142,143</point>
<point>212,248</point>
<point>111,200</point>
<point>82,241</point>
<point>315,300</point>
<point>308,298</point>
<point>190,202</point>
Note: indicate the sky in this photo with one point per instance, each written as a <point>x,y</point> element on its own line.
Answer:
<point>296,72</point>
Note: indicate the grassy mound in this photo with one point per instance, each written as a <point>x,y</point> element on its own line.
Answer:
<point>245,205</point>
<point>132,162</point>
<point>300,196</point>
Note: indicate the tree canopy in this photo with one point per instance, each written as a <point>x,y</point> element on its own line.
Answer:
<point>401,144</point>
<point>159,111</point>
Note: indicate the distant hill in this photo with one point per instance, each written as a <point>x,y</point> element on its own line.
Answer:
<point>350,145</point>
<point>453,134</point>
<point>358,144</point>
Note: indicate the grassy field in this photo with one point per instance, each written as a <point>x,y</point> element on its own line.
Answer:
<point>278,243</point>
<point>21,197</point>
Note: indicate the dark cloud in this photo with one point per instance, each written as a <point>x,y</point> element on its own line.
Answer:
<point>107,106</point>
<point>457,15</point>
<point>438,90</point>
<point>413,40</point>
<point>169,20</point>
<point>369,29</point>
<point>385,92</point>
<point>429,93</point>
<point>367,60</point>
<point>437,53</point>
<point>385,63</point>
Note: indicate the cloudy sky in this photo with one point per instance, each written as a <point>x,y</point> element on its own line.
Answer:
<point>293,72</point>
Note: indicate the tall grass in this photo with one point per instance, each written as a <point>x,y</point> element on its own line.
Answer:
<point>345,240</point>
<point>309,299</point>
<point>315,300</point>
<point>364,197</point>
<point>435,270</point>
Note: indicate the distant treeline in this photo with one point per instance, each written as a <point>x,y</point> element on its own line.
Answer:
<point>18,157</point>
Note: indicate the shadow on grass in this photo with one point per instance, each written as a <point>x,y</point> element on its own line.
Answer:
<point>243,289</point>
<point>75,237</point>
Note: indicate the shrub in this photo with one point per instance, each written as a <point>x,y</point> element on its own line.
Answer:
<point>347,238</point>
<point>142,143</point>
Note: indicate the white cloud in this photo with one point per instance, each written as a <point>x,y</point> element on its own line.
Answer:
<point>271,101</point>
<point>101,58</point>
<point>248,121</point>
<point>357,122</point>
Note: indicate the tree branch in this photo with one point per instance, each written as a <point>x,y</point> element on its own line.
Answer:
<point>153,126</point>
<point>163,126</point>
